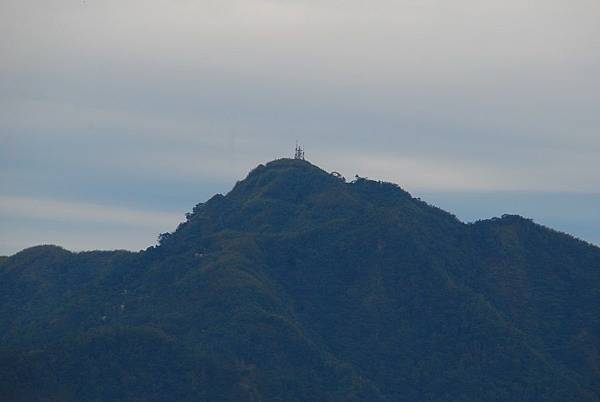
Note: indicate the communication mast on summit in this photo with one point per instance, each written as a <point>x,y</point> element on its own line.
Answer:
<point>299,152</point>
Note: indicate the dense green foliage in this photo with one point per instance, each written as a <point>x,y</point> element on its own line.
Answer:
<point>299,286</point>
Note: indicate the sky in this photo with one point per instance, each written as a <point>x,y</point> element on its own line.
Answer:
<point>117,117</point>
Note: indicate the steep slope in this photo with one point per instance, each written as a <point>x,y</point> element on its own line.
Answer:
<point>300,286</point>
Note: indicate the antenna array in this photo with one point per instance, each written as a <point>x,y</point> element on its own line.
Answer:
<point>299,154</point>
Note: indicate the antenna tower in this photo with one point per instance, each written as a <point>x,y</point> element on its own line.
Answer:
<point>299,154</point>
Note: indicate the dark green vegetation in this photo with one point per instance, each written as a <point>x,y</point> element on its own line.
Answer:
<point>300,286</point>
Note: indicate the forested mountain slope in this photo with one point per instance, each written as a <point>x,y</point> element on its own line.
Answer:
<point>298,285</point>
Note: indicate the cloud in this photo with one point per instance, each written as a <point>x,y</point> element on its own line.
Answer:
<point>66,211</point>
<point>24,234</point>
<point>77,225</point>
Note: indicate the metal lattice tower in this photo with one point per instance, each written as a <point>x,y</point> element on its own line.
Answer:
<point>299,154</point>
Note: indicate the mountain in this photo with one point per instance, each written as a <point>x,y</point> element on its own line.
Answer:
<point>298,285</point>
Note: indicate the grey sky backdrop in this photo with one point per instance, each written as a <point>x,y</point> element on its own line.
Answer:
<point>117,116</point>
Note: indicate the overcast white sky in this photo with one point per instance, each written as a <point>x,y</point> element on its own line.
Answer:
<point>116,117</point>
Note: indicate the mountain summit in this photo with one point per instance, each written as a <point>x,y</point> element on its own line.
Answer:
<point>299,285</point>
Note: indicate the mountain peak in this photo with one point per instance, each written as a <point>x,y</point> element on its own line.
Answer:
<point>284,165</point>
<point>285,178</point>
<point>298,285</point>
